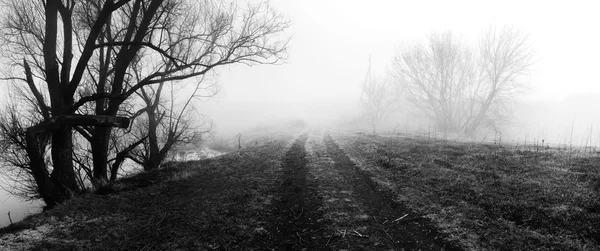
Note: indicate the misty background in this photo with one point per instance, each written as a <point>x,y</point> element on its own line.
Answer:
<point>334,41</point>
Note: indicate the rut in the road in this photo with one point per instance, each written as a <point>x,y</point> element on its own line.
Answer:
<point>297,219</point>
<point>410,233</point>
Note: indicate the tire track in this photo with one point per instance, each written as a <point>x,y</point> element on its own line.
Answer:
<point>388,216</point>
<point>349,225</point>
<point>297,222</point>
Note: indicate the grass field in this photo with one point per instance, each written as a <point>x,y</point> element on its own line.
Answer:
<point>338,191</point>
<point>488,196</point>
<point>214,204</point>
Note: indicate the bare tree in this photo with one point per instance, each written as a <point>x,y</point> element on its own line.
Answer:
<point>15,168</point>
<point>78,62</point>
<point>169,123</point>
<point>380,99</point>
<point>504,57</point>
<point>462,88</point>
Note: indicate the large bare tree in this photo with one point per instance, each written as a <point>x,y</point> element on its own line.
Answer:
<point>78,62</point>
<point>463,88</point>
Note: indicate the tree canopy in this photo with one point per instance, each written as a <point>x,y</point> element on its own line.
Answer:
<point>78,63</point>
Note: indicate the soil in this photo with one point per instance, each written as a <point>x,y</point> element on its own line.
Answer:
<point>326,202</point>
<point>297,222</point>
<point>286,193</point>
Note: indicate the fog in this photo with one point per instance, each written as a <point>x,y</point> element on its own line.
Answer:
<point>333,40</point>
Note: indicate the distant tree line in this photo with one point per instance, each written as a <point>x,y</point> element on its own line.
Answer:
<point>460,88</point>
<point>97,82</point>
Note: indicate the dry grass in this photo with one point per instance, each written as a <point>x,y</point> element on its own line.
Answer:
<point>485,197</point>
<point>489,196</point>
<point>218,203</point>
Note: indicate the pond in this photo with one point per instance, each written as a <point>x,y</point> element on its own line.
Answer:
<point>18,208</point>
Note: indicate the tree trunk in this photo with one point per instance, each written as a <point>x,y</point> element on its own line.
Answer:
<point>121,156</point>
<point>100,142</point>
<point>373,125</point>
<point>114,169</point>
<point>62,160</point>
<point>47,189</point>
<point>154,160</point>
<point>61,184</point>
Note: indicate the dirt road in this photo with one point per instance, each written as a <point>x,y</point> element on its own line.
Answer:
<point>316,191</point>
<point>282,194</point>
<point>326,202</point>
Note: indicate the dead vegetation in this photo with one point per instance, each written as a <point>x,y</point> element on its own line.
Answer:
<point>490,196</point>
<point>214,204</point>
<point>350,191</point>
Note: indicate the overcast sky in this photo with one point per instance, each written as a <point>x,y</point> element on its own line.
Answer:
<point>332,41</point>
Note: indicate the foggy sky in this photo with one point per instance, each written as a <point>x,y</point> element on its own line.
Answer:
<point>332,41</point>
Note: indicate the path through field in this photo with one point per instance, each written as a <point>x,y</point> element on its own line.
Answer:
<point>285,193</point>
<point>326,202</point>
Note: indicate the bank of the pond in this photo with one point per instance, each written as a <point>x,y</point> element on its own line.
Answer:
<point>18,208</point>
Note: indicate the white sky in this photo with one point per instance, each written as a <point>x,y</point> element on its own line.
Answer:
<point>332,41</point>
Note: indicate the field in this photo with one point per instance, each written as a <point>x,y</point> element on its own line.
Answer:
<point>319,190</point>
<point>487,196</point>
